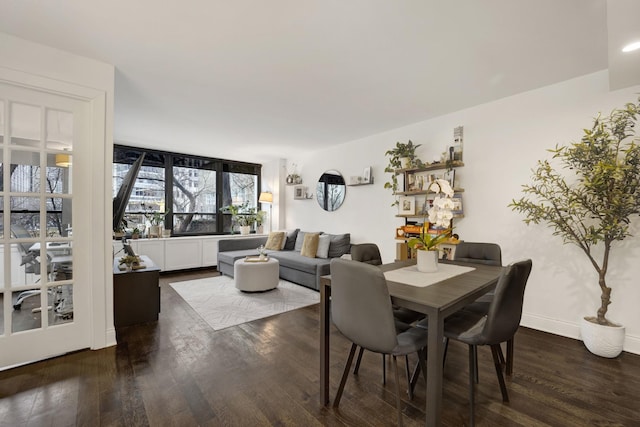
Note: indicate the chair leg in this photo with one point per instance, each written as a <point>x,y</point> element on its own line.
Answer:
<point>345,375</point>
<point>355,369</point>
<point>472,379</point>
<point>384,369</point>
<point>495,351</point>
<point>397,378</point>
<point>510,356</point>
<point>409,387</point>
<point>475,363</point>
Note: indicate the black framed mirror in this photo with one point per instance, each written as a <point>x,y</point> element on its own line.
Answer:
<point>330,190</point>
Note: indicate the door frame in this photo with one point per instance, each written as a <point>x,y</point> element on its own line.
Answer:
<point>96,171</point>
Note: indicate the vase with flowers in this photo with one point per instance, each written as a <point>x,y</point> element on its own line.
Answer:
<point>439,215</point>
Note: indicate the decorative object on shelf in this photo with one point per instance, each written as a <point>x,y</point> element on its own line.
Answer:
<point>407,205</point>
<point>293,178</point>
<point>135,234</point>
<point>330,190</point>
<point>403,156</point>
<point>155,219</point>
<point>597,206</point>
<point>299,192</point>
<point>366,174</point>
<point>439,216</point>
<point>457,143</point>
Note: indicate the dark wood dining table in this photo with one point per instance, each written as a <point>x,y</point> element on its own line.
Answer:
<point>436,301</point>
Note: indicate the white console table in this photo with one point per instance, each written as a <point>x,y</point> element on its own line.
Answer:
<point>179,253</point>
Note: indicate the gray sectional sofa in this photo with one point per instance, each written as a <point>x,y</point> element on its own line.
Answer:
<point>294,267</point>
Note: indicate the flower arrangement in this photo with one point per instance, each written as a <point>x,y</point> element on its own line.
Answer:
<point>439,214</point>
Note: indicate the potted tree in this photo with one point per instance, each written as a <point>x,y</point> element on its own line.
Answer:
<point>403,156</point>
<point>591,207</point>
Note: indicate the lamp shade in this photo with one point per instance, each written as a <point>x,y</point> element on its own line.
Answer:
<point>266,197</point>
<point>63,160</point>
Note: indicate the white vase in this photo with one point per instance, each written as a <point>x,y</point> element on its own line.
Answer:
<point>405,162</point>
<point>154,231</point>
<point>245,229</point>
<point>601,340</point>
<point>427,261</point>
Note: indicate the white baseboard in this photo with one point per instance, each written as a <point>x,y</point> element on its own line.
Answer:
<point>570,330</point>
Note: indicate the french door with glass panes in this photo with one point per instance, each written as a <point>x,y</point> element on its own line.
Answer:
<point>44,297</point>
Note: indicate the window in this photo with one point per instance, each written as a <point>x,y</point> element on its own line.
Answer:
<point>195,188</point>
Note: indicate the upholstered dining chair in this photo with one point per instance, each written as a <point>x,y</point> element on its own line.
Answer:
<point>361,311</point>
<point>498,325</point>
<point>489,254</point>
<point>369,253</point>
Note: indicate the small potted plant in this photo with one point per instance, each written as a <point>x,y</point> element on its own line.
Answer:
<point>403,156</point>
<point>135,234</point>
<point>439,215</point>
<point>591,206</point>
<point>260,217</point>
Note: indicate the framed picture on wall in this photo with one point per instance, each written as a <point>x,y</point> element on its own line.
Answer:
<point>457,205</point>
<point>299,192</point>
<point>407,205</point>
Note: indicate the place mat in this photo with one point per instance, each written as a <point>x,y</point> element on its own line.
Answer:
<point>411,275</point>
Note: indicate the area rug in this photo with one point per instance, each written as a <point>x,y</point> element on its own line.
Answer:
<point>221,305</point>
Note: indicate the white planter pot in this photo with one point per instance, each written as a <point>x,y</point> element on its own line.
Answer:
<point>427,261</point>
<point>605,341</point>
<point>154,231</point>
<point>405,162</point>
<point>245,229</point>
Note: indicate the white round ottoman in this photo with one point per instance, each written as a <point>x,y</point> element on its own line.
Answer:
<point>256,276</point>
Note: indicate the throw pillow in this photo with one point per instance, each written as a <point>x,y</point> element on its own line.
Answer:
<point>275,240</point>
<point>300,239</point>
<point>340,245</point>
<point>289,241</point>
<point>310,245</point>
<point>323,246</point>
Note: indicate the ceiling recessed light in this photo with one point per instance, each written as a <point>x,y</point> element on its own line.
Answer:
<point>631,47</point>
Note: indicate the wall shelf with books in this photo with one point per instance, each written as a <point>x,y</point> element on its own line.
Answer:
<point>415,200</point>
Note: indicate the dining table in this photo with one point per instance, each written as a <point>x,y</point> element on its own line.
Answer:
<point>437,300</point>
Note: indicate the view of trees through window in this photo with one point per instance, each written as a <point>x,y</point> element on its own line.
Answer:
<point>195,190</point>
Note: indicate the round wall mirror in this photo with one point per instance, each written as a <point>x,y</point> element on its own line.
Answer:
<point>330,190</point>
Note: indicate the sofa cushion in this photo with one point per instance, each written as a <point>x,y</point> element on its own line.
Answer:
<point>340,245</point>
<point>293,260</point>
<point>275,241</point>
<point>323,246</point>
<point>290,239</point>
<point>300,239</point>
<point>310,245</point>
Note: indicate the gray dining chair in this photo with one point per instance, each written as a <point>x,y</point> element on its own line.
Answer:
<point>498,325</point>
<point>489,254</point>
<point>361,311</point>
<point>369,253</point>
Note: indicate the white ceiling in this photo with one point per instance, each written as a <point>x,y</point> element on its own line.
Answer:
<point>256,80</point>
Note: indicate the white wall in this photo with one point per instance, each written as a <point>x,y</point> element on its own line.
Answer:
<point>502,142</point>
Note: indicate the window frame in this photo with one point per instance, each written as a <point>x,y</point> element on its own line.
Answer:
<point>171,159</point>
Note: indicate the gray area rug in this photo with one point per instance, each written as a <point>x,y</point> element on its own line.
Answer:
<point>221,305</point>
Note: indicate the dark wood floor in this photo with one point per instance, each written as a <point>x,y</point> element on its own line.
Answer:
<point>179,372</point>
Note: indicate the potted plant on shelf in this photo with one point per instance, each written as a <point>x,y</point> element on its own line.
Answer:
<point>439,215</point>
<point>260,217</point>
<point>403,156</point>
<point>593,207</point>
<point>155,219</point>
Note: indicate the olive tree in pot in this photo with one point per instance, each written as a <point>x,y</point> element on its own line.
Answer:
<point>592,205</point>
